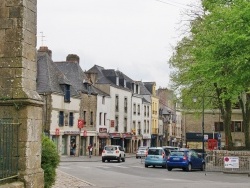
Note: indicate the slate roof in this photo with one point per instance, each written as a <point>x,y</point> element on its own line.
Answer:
<point>78,78</point>
<point>108,76</point>
<point>49,77</point>
<point>149,86</point>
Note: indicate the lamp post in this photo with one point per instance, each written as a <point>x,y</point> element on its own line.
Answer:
<point>202,124</point>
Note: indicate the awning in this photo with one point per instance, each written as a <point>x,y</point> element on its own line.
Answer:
<point>103,135</point>
<point>127,135</point>
<point>115,135</point>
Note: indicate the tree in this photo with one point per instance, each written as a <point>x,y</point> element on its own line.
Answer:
<point>215,57</point>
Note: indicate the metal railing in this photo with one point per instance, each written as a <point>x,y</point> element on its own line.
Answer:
<point>217,163</point>
<point>8,149</point>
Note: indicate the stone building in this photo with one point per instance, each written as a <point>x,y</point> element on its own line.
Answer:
<point>213,128</point>
<point>19,100</point>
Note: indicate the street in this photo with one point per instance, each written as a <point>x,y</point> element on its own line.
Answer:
<point>132,173</point>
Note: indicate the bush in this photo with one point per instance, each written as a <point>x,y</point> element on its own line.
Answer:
<point>50,161</point>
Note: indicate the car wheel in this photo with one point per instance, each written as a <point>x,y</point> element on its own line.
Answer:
<point>136,157</point>
<point>164,166</point>
<point>189,167</point>
<point>123,159</point>
<point>103,160</point>
<point>169,169</point>
<point>108,160</point>
<point>203,167</point>
<point>119,159</point>
<point>146,166</point>
<point>153,166</point>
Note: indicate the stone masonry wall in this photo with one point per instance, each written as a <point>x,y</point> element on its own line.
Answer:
<point>18,97</point>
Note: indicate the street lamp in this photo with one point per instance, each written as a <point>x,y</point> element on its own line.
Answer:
<point>202,124</point>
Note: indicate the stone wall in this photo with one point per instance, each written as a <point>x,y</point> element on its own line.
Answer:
<point>18,97</point>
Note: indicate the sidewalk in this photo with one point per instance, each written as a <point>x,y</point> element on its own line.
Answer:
<point>87,159</point>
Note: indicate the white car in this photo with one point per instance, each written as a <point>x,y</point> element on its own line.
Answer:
<point>141,152</point>
<point>113,152</point>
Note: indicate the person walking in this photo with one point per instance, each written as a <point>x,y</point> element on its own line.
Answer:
<point>90,148</point>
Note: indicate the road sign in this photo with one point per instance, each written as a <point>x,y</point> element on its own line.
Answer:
<point>219,136</point>
<point>205,137</point>
<point>231,162</point>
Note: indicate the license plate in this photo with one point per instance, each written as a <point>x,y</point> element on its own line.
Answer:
<point>176,159</point>
<point>109,152</point>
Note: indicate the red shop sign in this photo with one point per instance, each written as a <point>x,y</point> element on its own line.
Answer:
<point>80,123</point>
<point>57,131</point>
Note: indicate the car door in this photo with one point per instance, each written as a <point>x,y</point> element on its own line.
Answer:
<point>196,161</point>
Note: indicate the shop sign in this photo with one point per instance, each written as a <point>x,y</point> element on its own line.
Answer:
<point>72,132</point>
<point>57,131</point>
<point>80,123</point>
<point>102,130</point>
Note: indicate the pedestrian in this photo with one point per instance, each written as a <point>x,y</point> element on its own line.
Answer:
<point>90,148</point>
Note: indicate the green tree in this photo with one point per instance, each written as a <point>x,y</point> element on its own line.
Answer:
<point>50,161</point>
<point>215,57</point>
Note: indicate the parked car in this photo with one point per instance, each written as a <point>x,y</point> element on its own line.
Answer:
<point>141,152</point>
<point>156,156</point>
<point>185,159</point>
<point>113,152</point>
<point>168,149</point>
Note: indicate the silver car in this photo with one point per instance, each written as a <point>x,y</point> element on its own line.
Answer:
<point>141,152</point>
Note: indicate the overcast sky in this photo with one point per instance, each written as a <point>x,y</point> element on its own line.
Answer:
<point>135,37</point>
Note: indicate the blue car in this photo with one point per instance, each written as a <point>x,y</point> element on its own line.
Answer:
<point>185,159</point>
<point>156,156</point>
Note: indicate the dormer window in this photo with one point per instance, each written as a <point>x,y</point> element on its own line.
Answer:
<point>66,93</point>
<point>117,80</point>
<point>125,83</point>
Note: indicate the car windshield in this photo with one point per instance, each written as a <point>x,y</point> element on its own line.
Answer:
<point>176,153</point>
<point>154,152</point>
<point>110,148</point>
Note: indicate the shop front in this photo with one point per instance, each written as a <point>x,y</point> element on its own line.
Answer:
<point>126,138</point>
<point>103,137</point>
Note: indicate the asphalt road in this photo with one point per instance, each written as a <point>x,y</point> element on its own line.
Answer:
<point>133,174</point>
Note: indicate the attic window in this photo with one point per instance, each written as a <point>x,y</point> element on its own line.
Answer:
<point>66,93</point>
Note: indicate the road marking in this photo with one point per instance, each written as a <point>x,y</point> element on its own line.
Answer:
<point>122,166</point>
<point>137,166</point>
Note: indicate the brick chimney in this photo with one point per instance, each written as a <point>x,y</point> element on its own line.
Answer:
<point>73,58</point>
<point>45,49</point>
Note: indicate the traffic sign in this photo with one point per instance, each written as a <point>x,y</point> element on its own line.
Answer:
<point>205,137</point>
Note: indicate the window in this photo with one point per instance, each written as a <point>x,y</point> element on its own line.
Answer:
<point>103,99</point>
<point>116,103</point>
<point>61,118</point>
<point>100,118</point>
<point>125,125</point>
<point>138,109</point>
<point>125,105</point>
<point>71,119</point>
<point>84,116</point>
<point>148,111</point>
<point>145,110</point>
<point>66,93</point>
<point>91,118</point>
<point>218,126</point>
<point>134,108</point>
<point>116,123</point>
<point>104,118</point>
<point>236,126</point>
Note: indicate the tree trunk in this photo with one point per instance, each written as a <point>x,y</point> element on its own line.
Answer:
<point>245,108</point>
<point>227,123</point>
